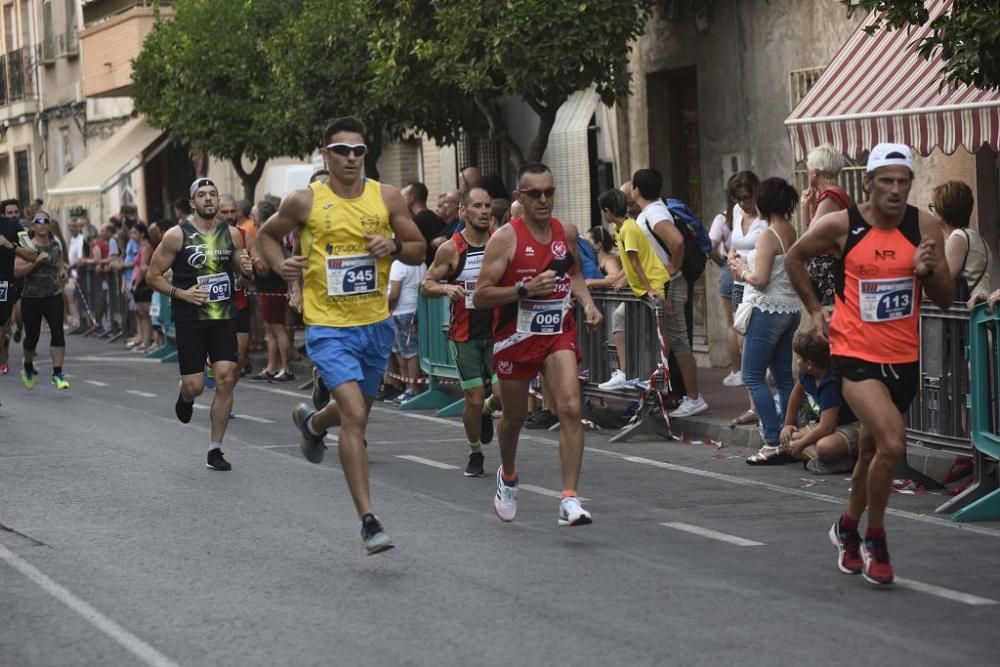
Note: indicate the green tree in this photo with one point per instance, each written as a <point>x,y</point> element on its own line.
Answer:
<point>204,75</point>
<point>329,60</point>
<point>968,36</point>
<point>540,51</point>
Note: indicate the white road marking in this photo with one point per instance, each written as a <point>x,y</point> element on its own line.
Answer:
<point>283,392</point>
<point>251,418</point>
<point>946,593</point>
<point>96,383</point>
<point>199,406</point>
<point>140,649</point>
<point>144,394</point>
<point>542,491</point>
<point>133,360</point>
<point>711,534</point>
<point>413,415</point>
<point>428,462</point>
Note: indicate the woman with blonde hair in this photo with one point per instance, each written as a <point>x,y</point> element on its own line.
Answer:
<point>965,249</point>
<point>824,195</point>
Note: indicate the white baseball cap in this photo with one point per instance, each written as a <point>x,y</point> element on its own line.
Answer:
<point>201,183</point>
<point>890,155</point>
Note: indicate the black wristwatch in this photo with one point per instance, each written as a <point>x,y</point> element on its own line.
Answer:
<point>522,291</point>
<point>399,246</point>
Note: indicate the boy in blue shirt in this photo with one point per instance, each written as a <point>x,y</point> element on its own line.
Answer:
<point>831,446</point>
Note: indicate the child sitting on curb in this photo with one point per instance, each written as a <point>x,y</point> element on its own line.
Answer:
<point>831,446</point>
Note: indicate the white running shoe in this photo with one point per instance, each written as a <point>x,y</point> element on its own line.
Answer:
<point>617,381</point>
<point>690,407</point>
<point>734,379</point>
<point>505,501</point>
<point>571,513</point>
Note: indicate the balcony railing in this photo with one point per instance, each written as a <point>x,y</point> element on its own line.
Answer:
<point>47,50</point>
<point>16,70</point>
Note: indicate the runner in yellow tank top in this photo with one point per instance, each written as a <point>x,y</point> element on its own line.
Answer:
<point>343,284</point>
<point>350,230</point>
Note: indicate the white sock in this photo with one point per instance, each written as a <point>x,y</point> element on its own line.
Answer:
<point>214,445</point>
<point>309,426</point>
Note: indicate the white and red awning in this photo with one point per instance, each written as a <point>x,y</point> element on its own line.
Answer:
<point>877,89</point>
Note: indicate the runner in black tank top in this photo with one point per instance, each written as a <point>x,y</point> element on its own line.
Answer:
<point>205,254</point>
<point>457,263</point>
<point>889,253</point>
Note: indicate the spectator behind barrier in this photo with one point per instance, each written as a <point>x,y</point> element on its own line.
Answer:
<point>721,233</point>
<point>774,315</point>
<point>965,248</point>
<point>831,446</point>
<point>404,290</point>
<point>643,272</point>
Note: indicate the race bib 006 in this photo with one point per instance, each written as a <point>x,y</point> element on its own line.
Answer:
<point>886,300</point>
<point>540,317</point>
<point>355,274</point>
<point>219,287</point>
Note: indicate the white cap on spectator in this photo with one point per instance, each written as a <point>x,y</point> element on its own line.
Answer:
<point>890,155</point>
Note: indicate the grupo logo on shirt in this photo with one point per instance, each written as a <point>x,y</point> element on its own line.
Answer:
<point>559,250</point>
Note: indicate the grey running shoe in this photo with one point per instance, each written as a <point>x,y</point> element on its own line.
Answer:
<point>374,536</point>
<point>312,446</point>
<point>320,394</point>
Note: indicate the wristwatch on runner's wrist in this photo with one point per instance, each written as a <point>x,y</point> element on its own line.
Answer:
<point>522,291</point>
<point>398,244</point>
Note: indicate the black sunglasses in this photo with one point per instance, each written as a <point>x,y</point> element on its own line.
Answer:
<point>359,150</point>
<point>537,194</point>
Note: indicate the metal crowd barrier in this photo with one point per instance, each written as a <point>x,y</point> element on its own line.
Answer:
<point>642,358</point>
<point>981,501</point>
<point>939,416</point>
<point>433,318</point>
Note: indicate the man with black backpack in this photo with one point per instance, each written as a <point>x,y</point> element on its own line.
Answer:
<point>658,224</point>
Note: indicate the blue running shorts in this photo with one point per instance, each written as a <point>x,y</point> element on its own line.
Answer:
<point>351,354</point>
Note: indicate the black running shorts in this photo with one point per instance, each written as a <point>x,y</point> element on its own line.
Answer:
<point>243,320</point>
<point>215,339</point>
<point>902,380</point>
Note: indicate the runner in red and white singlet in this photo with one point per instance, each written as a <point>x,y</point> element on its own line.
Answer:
<point>889,253</point>
<point>530,276</point>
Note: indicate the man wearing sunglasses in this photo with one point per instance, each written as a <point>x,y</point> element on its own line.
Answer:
<point>350,229</point>
<point>10,247</point>
<point>530,274</point>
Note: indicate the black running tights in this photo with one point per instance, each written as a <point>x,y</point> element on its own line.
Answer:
<point>33,309</point>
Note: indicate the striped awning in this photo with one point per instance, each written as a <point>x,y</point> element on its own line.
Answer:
<point>877,89</point>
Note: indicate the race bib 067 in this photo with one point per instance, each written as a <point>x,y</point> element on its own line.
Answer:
<point>219,286</point>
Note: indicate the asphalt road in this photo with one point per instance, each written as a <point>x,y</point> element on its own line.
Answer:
<point>118,547</point>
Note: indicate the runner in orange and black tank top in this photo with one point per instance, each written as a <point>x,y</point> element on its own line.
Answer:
<point>529,329</point>
<point>467,322</point>
<point>876,316</point>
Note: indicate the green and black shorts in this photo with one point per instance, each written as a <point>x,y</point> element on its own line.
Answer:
<point>474,360</point>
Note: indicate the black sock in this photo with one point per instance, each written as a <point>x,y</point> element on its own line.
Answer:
<point>29,366</point>
<point>57,370</point>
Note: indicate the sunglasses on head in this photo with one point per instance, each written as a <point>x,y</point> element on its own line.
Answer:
<point>359,150</point>
<point>41,220</point>
<point>537,194</point>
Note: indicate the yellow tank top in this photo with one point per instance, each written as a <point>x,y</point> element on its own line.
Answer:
<point>343,285</point>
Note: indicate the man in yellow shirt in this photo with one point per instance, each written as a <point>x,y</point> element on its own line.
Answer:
<point>350,229</point>
<point>644,272</point>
